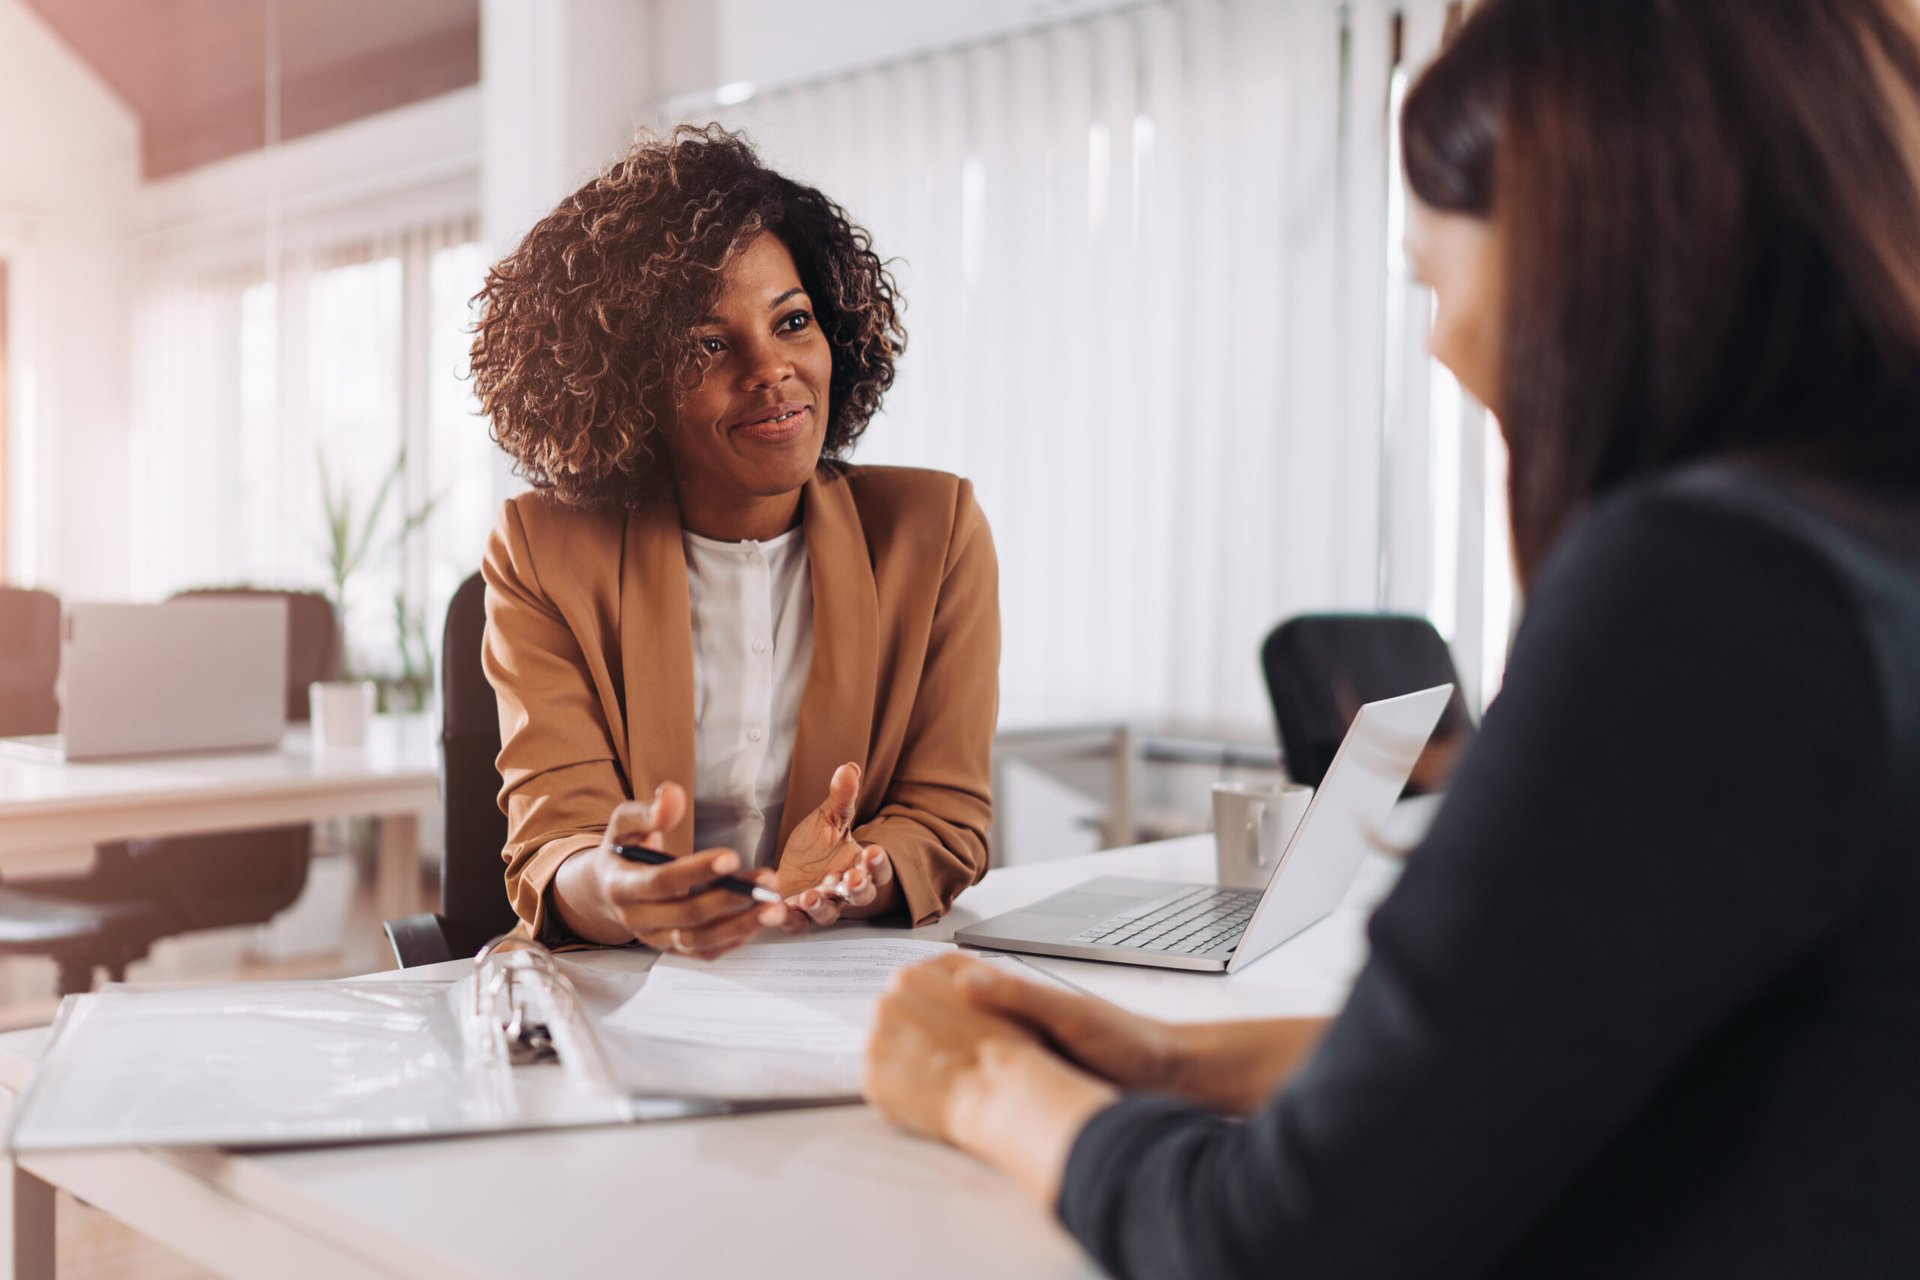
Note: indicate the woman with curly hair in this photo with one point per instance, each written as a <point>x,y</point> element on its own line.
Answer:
<point>708,633</point>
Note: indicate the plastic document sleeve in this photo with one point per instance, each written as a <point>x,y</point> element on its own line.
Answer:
<point>511,1046</point>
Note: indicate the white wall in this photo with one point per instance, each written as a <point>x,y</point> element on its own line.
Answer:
<point>415,164</point>
<point>69,166</point>
<point>563,82</point>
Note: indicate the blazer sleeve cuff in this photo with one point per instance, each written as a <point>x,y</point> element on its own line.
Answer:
<point>535,879</point>
<point>930,875</point>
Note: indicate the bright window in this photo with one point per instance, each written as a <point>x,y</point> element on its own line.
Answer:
<point>260,393</point>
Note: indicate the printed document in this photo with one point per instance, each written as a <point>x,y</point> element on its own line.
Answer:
<point>767,1022</point>
<point>815,997</point>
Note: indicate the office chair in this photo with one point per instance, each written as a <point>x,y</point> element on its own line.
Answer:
<point>139,891</point>
<point>242,877</point>
<point>473,890</point>
<point>1321,667</point>
<point>314,643</point>
<point>75,935</point>
<point>29,661</point>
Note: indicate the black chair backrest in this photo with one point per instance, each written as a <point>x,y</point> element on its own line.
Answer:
<point>1321,667</point>
<point>313,638</point>
<point>473,890</point>
<point>29,661</point>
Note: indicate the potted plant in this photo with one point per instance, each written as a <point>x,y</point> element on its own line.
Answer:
<point>342,709</point>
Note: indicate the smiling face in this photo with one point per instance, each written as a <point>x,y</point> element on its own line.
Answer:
<point>1458,257</point>
<point>749,435</point>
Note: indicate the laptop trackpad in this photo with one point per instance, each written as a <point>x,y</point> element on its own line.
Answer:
<point>1082,905</point>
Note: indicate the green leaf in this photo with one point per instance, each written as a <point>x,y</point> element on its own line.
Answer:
<point>380,496</point>
<point>418,517</point>
<point>354,539</point>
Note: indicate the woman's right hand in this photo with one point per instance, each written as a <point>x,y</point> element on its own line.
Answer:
<point>605,898</point>
<point>1132,1051</point>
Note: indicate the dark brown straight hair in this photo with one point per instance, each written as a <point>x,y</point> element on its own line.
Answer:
<point>1710,216</point>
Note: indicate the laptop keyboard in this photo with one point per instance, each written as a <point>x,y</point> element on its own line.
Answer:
<point>1184,922</point>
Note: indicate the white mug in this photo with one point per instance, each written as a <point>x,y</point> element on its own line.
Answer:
<point>341,711</point>
<point>1252,823</point>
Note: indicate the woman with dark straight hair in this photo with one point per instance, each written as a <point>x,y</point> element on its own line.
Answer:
<point>1646,1001</point>
<point>1709,217</point>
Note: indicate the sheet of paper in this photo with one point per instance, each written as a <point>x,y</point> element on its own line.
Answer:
<point>770,1022</point>
<point>815,997</point>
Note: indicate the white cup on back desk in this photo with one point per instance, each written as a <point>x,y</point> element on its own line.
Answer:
<point>1252,822</point>
<point>341,711</point>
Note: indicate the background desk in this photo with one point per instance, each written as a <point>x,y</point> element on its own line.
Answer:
<point>48,807</point>
<point>732,1196</point>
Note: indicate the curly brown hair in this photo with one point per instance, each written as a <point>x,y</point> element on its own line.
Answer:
<point>583,348</point>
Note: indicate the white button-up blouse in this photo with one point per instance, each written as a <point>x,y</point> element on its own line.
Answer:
<point>752,648</point>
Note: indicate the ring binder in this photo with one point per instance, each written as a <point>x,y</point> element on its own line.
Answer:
<point>524,1040</point>
<point>295,1063</point>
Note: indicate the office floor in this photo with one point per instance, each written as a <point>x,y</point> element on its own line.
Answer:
<point>92,1246</point>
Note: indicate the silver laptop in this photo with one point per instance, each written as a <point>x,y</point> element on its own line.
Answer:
<point>1204,927</point>
<point>203,674</point>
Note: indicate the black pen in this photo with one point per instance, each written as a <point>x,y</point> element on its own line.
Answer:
<point>732,884</point>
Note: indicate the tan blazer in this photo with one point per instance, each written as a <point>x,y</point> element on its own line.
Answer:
<point>589,647</point>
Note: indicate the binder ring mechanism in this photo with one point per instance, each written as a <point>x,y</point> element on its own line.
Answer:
<point>502,1011</point>
<point>525,1012</point>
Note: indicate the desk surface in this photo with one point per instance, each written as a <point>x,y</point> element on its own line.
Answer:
<point>49,809</point>
<point>400,749</point>
<point>745,1195</point>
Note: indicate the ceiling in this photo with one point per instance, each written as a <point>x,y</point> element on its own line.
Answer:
<point>194,71</point>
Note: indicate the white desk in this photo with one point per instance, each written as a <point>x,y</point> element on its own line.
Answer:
<point>47,806</point>
<point>757,1196</point>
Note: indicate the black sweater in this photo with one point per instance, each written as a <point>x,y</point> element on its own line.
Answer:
<point>1646,1002</point>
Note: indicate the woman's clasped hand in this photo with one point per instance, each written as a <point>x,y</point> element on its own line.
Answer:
<point>1011,1069</point>
<point>958,1054</point>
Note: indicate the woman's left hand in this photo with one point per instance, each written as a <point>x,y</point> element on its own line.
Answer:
<point>939,1065</point>
<point>824,872</point>
<point>929,1044</point>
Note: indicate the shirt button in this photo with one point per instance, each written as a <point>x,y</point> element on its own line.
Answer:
<point>759,646</point>
<point>753,735</point>
<point>753,815</point>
